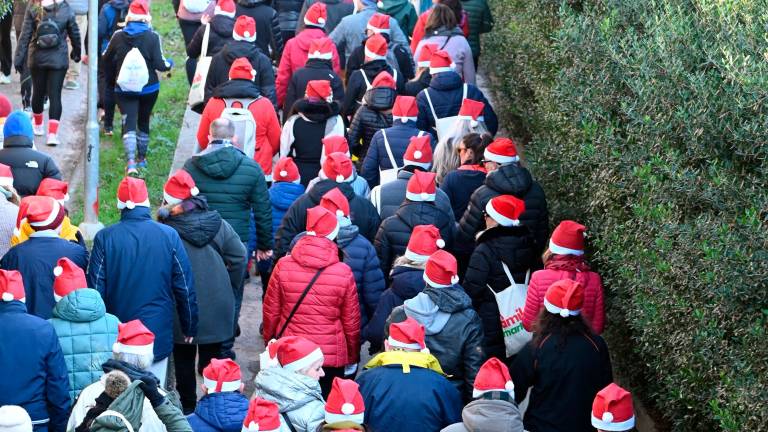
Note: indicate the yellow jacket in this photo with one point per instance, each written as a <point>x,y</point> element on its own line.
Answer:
<point>68,232</point>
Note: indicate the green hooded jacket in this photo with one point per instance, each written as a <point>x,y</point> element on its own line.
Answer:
<point>401,10</point>
<point>480,21</point>
<point>124,414</point>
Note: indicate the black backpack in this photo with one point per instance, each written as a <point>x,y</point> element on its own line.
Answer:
<point>119,22</point>
<point>48,34</point>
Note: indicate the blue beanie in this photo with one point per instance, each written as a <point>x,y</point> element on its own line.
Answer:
<point>18,123</point>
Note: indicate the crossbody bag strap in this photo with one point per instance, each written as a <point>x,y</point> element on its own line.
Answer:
<point>508,273</point>
<point>288,422</point>
<point>446,41</point>
<point>389,150</point>
<point>466,89</point>
<point>298,303</point>
<point>206,37</point>
<point>429,101</point>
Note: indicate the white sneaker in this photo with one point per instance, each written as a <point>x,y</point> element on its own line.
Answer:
<point>5,79</point>
<point>53,139</point>
<point>38,130</point>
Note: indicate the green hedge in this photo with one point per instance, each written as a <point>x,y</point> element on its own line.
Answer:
<point>649,122</point>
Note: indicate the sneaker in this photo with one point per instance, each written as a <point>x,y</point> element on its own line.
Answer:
<point>53,139</point>
<point>71,85</point>
<point>46,105</point>
<point>141,164</point>
<point>130,168</point>
<point>5,79</point>
<point>39,130</point>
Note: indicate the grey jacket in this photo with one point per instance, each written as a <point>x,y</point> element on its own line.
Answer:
<point>388,197</point>
<point>296,395</point>
<point>351,31</point>
<point>484,415</point>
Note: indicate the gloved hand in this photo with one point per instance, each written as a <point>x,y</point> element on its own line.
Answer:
<point>75,57</point>
<point>149,387</point>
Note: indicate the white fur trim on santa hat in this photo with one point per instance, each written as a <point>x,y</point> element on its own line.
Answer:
<point>219,11</point>
<point>51,217</point>
<point>331,418</point>
<point>320,22</point>
<point>560,311</point>
<point>430,282</point>
<point>137,17</point>
<point>437,70</point>
<point>377,29</point>
<point>170,199</point>
<point>425,165</point>
<point>307,360</point>
<point>7,296</point>
<point>419,197</point>
<point>320,55</point>
<point>500,218</point>
<point>404,119</point>
<point>247,36</point>
<point>226,386</point>
<point>499,158</point>
<point>133,349</point>
<point>373,56</point>
<point>130,205</point>
<point>397,344</point>
<point>555,249</point>
<point>413,256</point>
<point>6,181</point>
<point>606,423</point>
<point>423,64</point>
<point>254,427</point>
<point>509,387</point>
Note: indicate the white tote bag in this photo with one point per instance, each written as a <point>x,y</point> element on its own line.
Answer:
<point>444,126</point>
<point>511,302</point>
<point>197,89</point>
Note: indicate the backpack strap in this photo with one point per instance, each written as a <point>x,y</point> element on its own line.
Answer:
<point>466,89</point>
<point>429,101</point>
<point>288,421</point>
<point>389,150</point>
<point>367,81</point>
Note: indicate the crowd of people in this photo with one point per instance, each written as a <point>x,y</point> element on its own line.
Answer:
<point>346,156</point>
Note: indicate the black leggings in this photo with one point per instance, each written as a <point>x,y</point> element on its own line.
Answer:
<point>5,43</point>
<point>47,82</point>
<point>186,379</point>
<point>188,29</point>
<point>136,110</point>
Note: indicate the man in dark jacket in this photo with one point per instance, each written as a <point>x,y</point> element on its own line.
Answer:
<point>220,33</point>
<point>29,166</point>
<point>337,10</point>
<point>362,79</point>
<point>398,56</point>
<point>318,67</point>
<point>36,377</point>
<point>268,34</point>
<point>140,268</point>
<point>288,16</point>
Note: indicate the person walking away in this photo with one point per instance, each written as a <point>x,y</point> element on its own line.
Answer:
<point>80,8</point>
<point>263,416</point>
<point>402,11</point>
<point>480,21</point>
<point>57,190</point>
<point>111,18</point>
<point>404,387</point>
<point>42,47</point>
<point>6,53</point>
<point>362,79</point>
<point>318,67</point>
<point>29,348</point>
<point>19,13</point>
<point>493,407</point>
<point>374,114</point>
<point>460,184</point>
<point>564,259</point>
<point>442,30</point>
<point>219,28</point>
<point>218,260</point>
<point>141,270</point>
<point>423,77</point>
<point>350,32</point>
<point>612,410</point>
<point>269,38</point>
<point>345,408</point>
<point>454,332</point>
<point>190,15</point>
<point>137,43</point>
<point>9,208</point>
<point>337,9</point>
<point>339,144</point>
<point>426,7</point>
<point>288,17</point>
<point>562,343</point>
<point>398,56</point>
<point>469,120</point>
<point>223,406</point>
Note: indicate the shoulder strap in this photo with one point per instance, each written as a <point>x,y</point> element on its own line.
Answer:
<point>508,273</point>
<point>375,198</point>
<point>389,150</point>
<point>206,37</point>
<point>446,41</point>
<point>367,81</point>
<point>288,422</point>
<point>298,303</point>
<point>466,89</point>
<point>429,101</point>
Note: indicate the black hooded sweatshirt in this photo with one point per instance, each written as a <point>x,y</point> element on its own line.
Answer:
<point>314,69</point>
<point>222,61</point>
<point>220,35</point>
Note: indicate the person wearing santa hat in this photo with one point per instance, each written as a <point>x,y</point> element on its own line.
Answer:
<point>263,416</point>
<point>37,257</point>
<point>505,256</point>
<point>219,28</point>
<point>57,190</point>
<point>442,29</point>
<point>352,29</point>
<point>223,406</point>
<point>269,38</point>
<point>361,80</point>
<point>562,343</point>
<point>423,77</point>
<point>345,408</point>
<point>335,9</point>
<point>334,144</point>
<point>454,332</point>
<point>29,166</point>
<point>317,67</point>
<point>374,114</point>
<point>29,350</point>
<point>564,259</point>
<point>493,407</point>
<point>86,331</point>
<point>404,388</point>
<point>9,208</point>
<point>286,188</point>
<point>398,56</point>
<point>418,209</point>
<point>613,410</point>
<point>189,14</point>
<point>469,120</point>
<point>460,184</point>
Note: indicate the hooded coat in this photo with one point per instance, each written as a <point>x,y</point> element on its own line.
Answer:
<point>446,89</point>
<point>314,69</point>
<point>454,333</point>
<point>86,334</point>
<point>296,395</point>
<point>375,114</point>
<point>29,166</point>
<point>402,11</point>
<point>282,195</point>
<point>218,73</point>
<point>28,54</point>
<point>219,412</point>
<point>130,404</point>
<point>295,57</point>
<point>336,9</point>
<point>398,56</point>
<point>387,198</point>
<point>111,14</point>
<point>357,86</point>
<point>488,413</point>
<point>268,35</point>
<point>351,30</point>
<point>480,21</point>
<point>329,315</point>
<point>454,43</point>
<point>376,159</point>
<point>219,36</point>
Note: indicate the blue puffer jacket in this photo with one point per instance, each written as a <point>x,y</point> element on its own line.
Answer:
<point>398,136</point>
<point>219,412</point>
<point>282,195</point>
<point>86,333</point>
<point>446,91</point>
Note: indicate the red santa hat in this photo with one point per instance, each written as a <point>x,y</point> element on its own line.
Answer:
<point>242,69</point>
<point>344,403</point>
<point>613,410</point>
<point>335,202</point>
<point>262,416</point>
<point>134,338</point>
<point>405,109</point>
<point>421,186</point>
<point>505,209</point>
<point>337,167</point>
<point>286,171</point>
<point>68,277</point>
<point>6,176</point>
<point>424,241</point>
<point>5,106</point>
<point>441,62</point>
<point>565,298</point>
<point>319,89</point>
<point>334,144</point>
<point>322,223</point>
<point>222,376</point>
<point>568,238</point>
<point>425,55</point>
<point>245,29</point>
<point>132,193</point>
<point>493,376</point>
<point>441,270</point>
<point>384,79</point>
<point>419,152</point>
<point>316,15</point>
<point>44,213</point>
<point>11,286</point>
<point>54,188</point>
<point>225,7</point>
<point>408,334</point>
<point>294,353</point>
<point>375,48</point>
<point>501,151</point>
<point>179,187</point>
<point>320,49</point>
<point>471,110</point>
<point>379,23</point>
<point>138,11</point>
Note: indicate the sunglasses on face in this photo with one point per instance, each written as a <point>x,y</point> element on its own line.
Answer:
<point>461,150</point>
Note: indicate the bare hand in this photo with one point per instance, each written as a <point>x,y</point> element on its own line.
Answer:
<point>263,255</point>
<point>84,59</point>
<point>205,19</point>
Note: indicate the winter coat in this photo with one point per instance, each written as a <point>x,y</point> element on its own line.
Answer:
<point>564,377</point>
<point>131,409</point>
<point>446,90</point>
<point>514,246</point>
<point>165,279</point>
<point>480,21</point>
<point>377,159</point>
<point>268,35</point>
<point>329,316</point>
<point>454,333</point>
<point>420,28</point>
<point>336,9</point>
<point>110,16</point>
<point>566,267</point>
<point>141,36</point>
<point>219,412</point>
<point>218,73</point>
<point>86,334</point>
<point>460,184</point>
<point>314,69</point>
<point>375,114</point>
<point>357,86</point>
<point>488,413</point>
<point>403,11</point>
<point>454,43</point>
<point>219,36</point>
<point>282,195</point>
<point>267,124</point>
<point>358,184</point>
<point>387,198</point>
<point>30,55</point>
<point>395,231</point>
<point>218,261</point>
<point>288,13</point>
<point>37,374</point>
<point>398,56</point>
<point>28,165</point>
<point>234,186</point>
<point>296,395</point>
<point>80,7</point>
<point>415,86</point>
<point>8,214</point>
<point>35,259</point>
<point>351,30</point>
<point>67,231</point>
<point>407,391</point>
<point>510,179</point>
<point>295,57</point>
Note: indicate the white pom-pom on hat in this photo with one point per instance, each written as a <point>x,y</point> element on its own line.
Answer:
<point>564,313</point>
<point>509,386</point>
<point>417,154</point>
<point>321,20</point>
<point>130,204</point>
<point>440,243</point>
<point>339,178</point>
<point>425,350</point>
<point>7,296</point>
<point>339,213</point>
<point>380,5</point>
<point>474,123</point>
<point>194,191</point>
<point>253,427</point>
<point>283,173</point>
<point>347,408</point>
<point>607,417</point>
<point>455,279</point>
<point>57,271</point>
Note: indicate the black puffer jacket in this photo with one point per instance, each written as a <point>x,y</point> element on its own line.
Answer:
<point>515,247</point>
<point>220,36</point>
<point>356,86</point>
<point>392,238</point>
<point>221,62</point>
<point>309,129</point>
<point>414,87</point>
<point>267,25</point>
<point>27,51</point>
<point>337,9</point>
<point>288,13</point>
<point>28,165</point>
<point>398,53</point>
<point>314,69</point>
<point>375,114</point>
<point>511,179</point>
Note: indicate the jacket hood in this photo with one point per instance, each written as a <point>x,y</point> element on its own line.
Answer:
<point>375,67</point>
<point>289,390</point>
<point>424,310</point>
<point>394,7</point>
<point>284,194</point>
<point>443,31</point>
<point>306,36</point>
<point>416,212</point>
<point>451,299</point>
<point>510,179</point>
<point>197,227</point>
<point>446,81</point>
<point>407,282</point>
<point>346,235</point>
<point>501,234</point>
<point>81,305</point>
<point>219,164</point>
<point>135,28</point>
<point>238,88</point>
<point>250,3</point>
<point>222,25</point>
<point>316,111</point>
<point>320,188</point>
<point>380,98</point>
<point>491,415</point>
<point>130,404</point>
<point>315,252</point>
<point>405,360</point>
<point>223,411</point>
<point>315,63</point>
<point>233,50</point>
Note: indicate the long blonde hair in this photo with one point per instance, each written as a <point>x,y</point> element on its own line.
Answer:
<point>446,159</point>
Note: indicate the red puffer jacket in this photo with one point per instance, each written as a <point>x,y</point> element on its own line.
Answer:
<point>330,313</point>
<point>566,267</point>
<point>295,57</point>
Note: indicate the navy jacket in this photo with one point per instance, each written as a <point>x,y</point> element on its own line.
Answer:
<point>35,259</point>
<point>446,91</point>
<point>398,136</point>
<point>459,185</point>
<point>36,376</point>
<point>219,412</point>
<point>392,194</point>
<point>141,269</point>
<point>282,195</point>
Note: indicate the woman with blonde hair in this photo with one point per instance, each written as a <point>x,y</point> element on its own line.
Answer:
<point>469,121</point>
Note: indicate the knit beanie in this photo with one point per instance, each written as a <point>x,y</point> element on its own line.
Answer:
<point>18,124</point>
